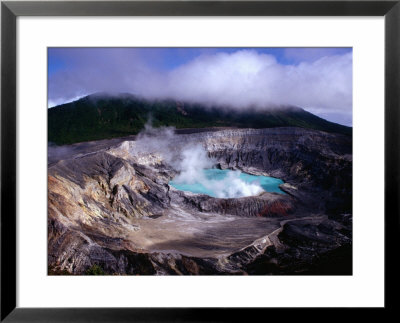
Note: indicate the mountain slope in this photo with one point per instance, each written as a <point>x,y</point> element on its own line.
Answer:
<point>101,116</point>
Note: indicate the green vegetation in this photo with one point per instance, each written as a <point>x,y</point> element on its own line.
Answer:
<point>102,116</point>
<point>95,270</point>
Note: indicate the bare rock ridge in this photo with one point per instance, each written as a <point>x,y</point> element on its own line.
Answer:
<point>111,206</point>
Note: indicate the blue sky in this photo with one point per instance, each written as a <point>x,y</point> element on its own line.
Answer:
<point>316,79</point>
<point>170,58</point>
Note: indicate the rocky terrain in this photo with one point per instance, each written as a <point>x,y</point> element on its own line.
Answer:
<point>110,207</point>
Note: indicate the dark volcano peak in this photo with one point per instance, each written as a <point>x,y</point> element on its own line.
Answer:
<point>105,115</point>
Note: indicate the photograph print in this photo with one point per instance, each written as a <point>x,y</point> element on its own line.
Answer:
<point>199,161</point>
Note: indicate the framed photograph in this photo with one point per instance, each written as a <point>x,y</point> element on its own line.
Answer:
<point>195,160</point>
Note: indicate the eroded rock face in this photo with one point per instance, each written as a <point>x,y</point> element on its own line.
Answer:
<point>113,207</point>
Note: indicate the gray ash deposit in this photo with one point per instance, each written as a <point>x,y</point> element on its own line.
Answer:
<point>110,204</point>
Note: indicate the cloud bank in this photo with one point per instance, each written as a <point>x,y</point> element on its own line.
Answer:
<point>238,79</point>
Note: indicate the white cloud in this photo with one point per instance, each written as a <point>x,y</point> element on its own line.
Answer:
<point>239,80</point>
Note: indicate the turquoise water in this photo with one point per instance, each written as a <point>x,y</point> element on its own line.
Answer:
<point>226,183</point>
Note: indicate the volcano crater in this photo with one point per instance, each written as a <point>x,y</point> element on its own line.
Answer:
<point>115,204</point>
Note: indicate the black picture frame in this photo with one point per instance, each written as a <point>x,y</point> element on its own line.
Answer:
<point>10,10</point>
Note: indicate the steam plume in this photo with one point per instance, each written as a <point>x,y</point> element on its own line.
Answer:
<point>190,161</point>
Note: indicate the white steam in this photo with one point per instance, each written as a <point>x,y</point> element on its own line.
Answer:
<point>233,186</point>
<point>190,161</point>
<point>157,141</point>
<point>193,160</point>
